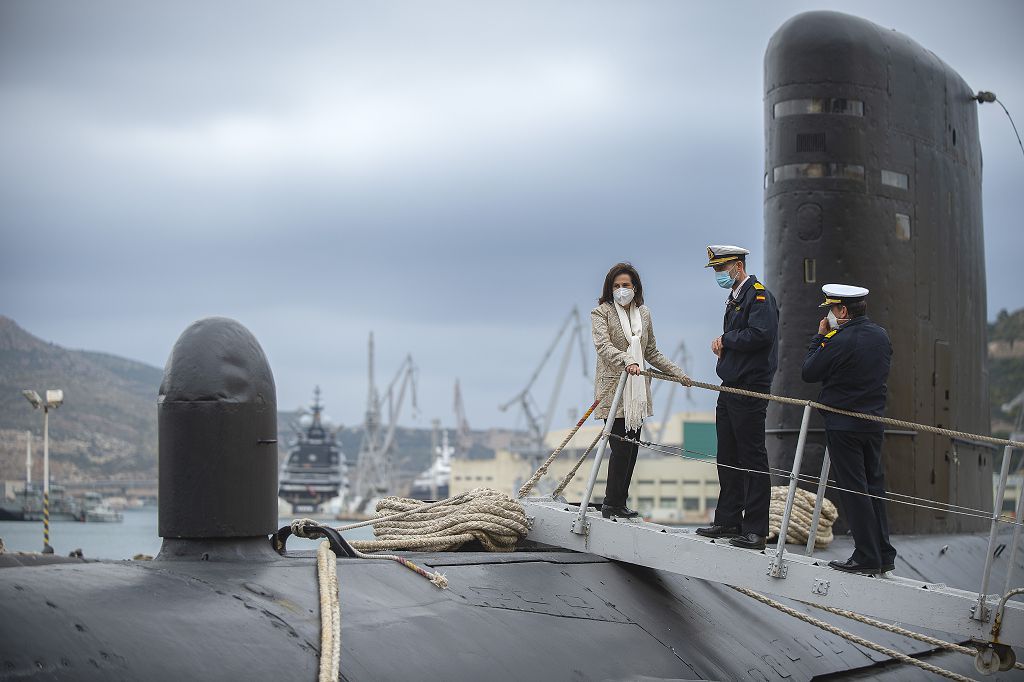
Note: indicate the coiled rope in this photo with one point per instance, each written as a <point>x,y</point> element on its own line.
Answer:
<point>856,639</point>
<point>800,517</point>
<point>488,516</point>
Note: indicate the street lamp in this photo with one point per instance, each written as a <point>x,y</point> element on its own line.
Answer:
<point>54,399</point>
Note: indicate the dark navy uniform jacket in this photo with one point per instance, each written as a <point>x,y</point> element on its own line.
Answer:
<point>852,364</point>
<point>750,345</point>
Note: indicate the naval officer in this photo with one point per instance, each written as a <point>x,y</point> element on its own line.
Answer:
<point>850,355</point>
<point>747,354</point>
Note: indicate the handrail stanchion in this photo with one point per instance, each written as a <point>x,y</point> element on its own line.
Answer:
<point>776,568</point>
<point>812,534</point>
<point>980,609</point>
<point>580,525</point>
<point>1013,543</point>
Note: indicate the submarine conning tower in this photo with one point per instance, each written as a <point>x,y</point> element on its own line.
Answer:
<point>217,423</point>
<point>873,177</point>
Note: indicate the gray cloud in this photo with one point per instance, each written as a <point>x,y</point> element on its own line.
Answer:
<point>455,176</point>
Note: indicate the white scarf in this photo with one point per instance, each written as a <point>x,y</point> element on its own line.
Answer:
<point>634,395</point>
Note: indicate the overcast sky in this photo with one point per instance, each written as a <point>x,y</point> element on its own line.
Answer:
<point>454,176</point>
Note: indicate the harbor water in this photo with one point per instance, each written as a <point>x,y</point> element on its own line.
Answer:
<point>137,534</point>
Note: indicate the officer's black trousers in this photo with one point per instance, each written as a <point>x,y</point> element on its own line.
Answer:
<point>621,462</point>
<point>857,463</point>
<point>744,497</point>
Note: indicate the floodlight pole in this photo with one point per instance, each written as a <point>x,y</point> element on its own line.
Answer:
<point>47,548</point>
<point>28,460</point>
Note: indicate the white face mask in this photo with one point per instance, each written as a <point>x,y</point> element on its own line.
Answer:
<point>834,321</point>
<point>623,296</point>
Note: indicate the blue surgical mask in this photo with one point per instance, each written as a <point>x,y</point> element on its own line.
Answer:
<point>724,279</point>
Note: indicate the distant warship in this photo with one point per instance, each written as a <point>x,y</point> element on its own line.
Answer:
<point>314,472</point>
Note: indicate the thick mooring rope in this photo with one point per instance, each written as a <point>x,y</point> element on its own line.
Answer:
<point>856,639</point>
<point>800,517</point>
<point>896,629</point>
<point>491,517</point>
<point>576,467</point>
<point>543,469</point>
<point>330,613</point>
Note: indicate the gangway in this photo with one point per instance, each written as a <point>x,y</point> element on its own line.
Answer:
<point>988,619</point>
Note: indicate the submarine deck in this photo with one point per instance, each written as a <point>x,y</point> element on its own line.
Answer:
<point>540,613</point>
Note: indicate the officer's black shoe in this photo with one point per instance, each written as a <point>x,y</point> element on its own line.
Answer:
<point>888,567</point>
<point>608,511</point>
<point>629,513</point>
<point>851,566</point>
<point>719,532</point>
<point>749,541</point>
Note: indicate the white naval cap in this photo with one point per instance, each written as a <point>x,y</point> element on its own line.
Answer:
<point>723,253</point>
<point>841,294</point>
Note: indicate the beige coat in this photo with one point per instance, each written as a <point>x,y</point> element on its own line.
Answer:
<point>611,345</point>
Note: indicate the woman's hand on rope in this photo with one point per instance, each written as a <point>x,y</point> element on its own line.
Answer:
<point>633,369</point>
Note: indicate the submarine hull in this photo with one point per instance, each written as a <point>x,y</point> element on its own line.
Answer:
<point>526,615</point>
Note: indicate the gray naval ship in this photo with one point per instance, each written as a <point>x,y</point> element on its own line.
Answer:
<point>873,159</point>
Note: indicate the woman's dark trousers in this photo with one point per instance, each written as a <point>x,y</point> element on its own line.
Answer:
<point>620,465</point>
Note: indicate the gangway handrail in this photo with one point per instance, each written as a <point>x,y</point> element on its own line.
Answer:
<point>777,569</point>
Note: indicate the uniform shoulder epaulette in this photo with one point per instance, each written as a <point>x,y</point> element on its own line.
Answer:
<point>758,285</point>
<point>831,334</point>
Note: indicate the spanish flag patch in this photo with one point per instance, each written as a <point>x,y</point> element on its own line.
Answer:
<point>760,298</point>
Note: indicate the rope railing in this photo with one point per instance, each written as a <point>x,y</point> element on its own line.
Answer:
<point>805,478</point>
<point>963,435</point>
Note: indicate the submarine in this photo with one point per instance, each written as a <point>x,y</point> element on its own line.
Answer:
<point>873,176</point>
<point>219,602</point>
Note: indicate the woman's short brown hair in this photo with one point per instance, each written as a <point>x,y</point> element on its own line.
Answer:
<point>609,279</point>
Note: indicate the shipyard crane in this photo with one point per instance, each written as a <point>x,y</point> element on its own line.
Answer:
<point>372,477</point>
<point>463,436</point>
<point>654,432</point>
<point>538,423</point>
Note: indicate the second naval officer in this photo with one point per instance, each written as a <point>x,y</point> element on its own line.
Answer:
<point>748,355</point>
<point>851,355</point>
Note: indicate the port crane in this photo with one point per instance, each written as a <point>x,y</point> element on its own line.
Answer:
<point>372,475</point>
<point>538,422</point>
<point>463,437</point>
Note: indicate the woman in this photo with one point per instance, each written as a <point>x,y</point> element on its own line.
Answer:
<point>624,338</point>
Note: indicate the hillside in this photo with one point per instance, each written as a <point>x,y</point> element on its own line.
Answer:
<point>1005,366</point>
<point>107,425</point>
